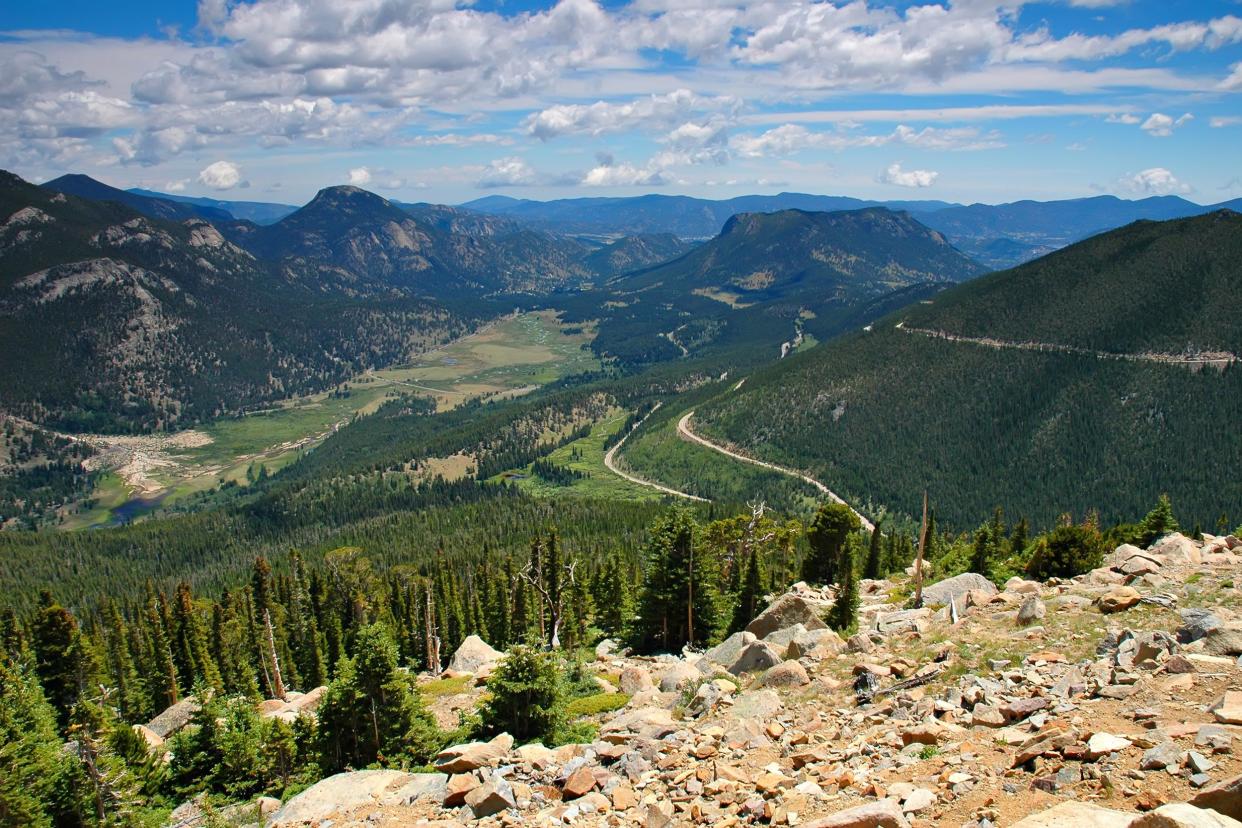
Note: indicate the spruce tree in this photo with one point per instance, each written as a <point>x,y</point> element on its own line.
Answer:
<point>32,765</point>
<point>1158,522</point>
<point>58,650</point>
<point>372,712</point>
<point>679,603</point>
<point>827,536</point>
<point>874,568</point>
<point>843,616</point>
<point>750,596</point>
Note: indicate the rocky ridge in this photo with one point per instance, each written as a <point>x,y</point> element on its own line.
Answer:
<point>1107,700</point>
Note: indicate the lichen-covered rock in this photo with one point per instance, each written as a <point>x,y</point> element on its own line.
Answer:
<point>785,611</point>
<point>474,655</point>
<point>954,589</point>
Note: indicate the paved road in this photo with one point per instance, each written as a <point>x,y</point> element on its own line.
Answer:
<point>683,427</point>
<point>608,462</point>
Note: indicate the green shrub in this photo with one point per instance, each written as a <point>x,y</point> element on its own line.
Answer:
<point>1066,551</point>
<point>596,704</point>
<point>528,695</point>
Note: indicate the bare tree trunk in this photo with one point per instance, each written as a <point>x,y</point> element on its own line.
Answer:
<point>690,598</point>
<point>433,640</point>
<point>918,564</point>
<point>278,683</point>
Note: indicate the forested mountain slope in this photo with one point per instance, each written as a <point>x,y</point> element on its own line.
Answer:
<point>260,212</point>
<point>149,204</point>
<point>883,414</point>
<point>360,242</point>
<point>110,320</point>
<point>769,255</point>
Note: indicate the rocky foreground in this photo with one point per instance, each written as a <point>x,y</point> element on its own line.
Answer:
<point>1114,699</point>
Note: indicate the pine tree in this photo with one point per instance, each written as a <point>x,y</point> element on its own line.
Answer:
<point>843,616</point>
<point>526,695</point>
<point>981,553</point>
<point>750,596</point>
<point>32,765</point>
<point>372,712</point>
<point>1158,522</point>
<point>162,684</point>
<point>191,652</point>
<point>1019,540</point>
<point>58,650</point>
<point>679,602</point>
<point>827,536</point>
<point>874,568</point>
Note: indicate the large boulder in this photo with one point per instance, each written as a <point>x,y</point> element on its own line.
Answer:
<point>953,590</point>
<point>885,813</point>
<point>679,676</point>
<point>1224,797</point>
<point>174,718</point>
<point>785,674</point>
<point>1118,598</point>
<point>755,657</point>
<point>1077,815</point>
<point>474,655</point>
<point>817,643</point>
<point>727,651</point>
<point>347,791</point>
<point>1177,548</point>
<point>470,756</point>
<point>785,611</point>
<point>1181,815</point>
<point>634,680</point>
<point>491,797</point>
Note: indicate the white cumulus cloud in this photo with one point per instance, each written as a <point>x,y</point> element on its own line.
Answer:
<point>359,177</point>
<point>908,178</point>
<point>221,175</point>
<point>1160,125</point>
<point>1155,181</point>
<point>507,172</point>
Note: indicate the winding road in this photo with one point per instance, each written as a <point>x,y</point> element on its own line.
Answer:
<point>683,428</point>
<point>611,466</point>
<point>1215,359</point>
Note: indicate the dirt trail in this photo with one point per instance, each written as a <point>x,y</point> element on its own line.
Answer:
<point>611,453</point>
<point>1215,359</point>
<point>683,428</point>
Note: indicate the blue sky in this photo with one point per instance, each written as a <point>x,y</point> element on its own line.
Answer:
<point>447,101</point>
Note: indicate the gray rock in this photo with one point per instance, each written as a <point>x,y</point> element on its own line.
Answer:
<point>338,793</point>
<point>882,814</point>
<point>953,590</point>
<point>756,656</point>
<point>1077,815</point>
<point>758,704</point>
<point>473,755</point>
<point>1224,797</point>
<point>1224,641</point>
<point>785,674</point>
<point>635,679</point>
<point>1181,815</point>
<point>174,718</point>
<point>1198,623</point>
<point>817,642</point>
<point>727,651</point>
<point>473,655</point>
<point>782,638</point>
<point>680,675</point>
<point>785,611</point>
<point>913,620</point>
<point>491,797</point>
<point>1031,611</point>
<point>1160,757</point>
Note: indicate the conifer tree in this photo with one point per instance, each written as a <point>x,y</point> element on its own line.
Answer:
<point>875,563</point>
<point>1158,522</point>
<point>679,602</point>
<point>372,712</point>
<point>59,656</point>
<point>162,683</point>
<point>827,536</point>
<point>843,616</point>
<point>750,595</point>
<point>32,765</point>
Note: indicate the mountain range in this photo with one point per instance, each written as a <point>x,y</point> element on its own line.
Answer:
<point>114,321</point>
<point>1096,378</point>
